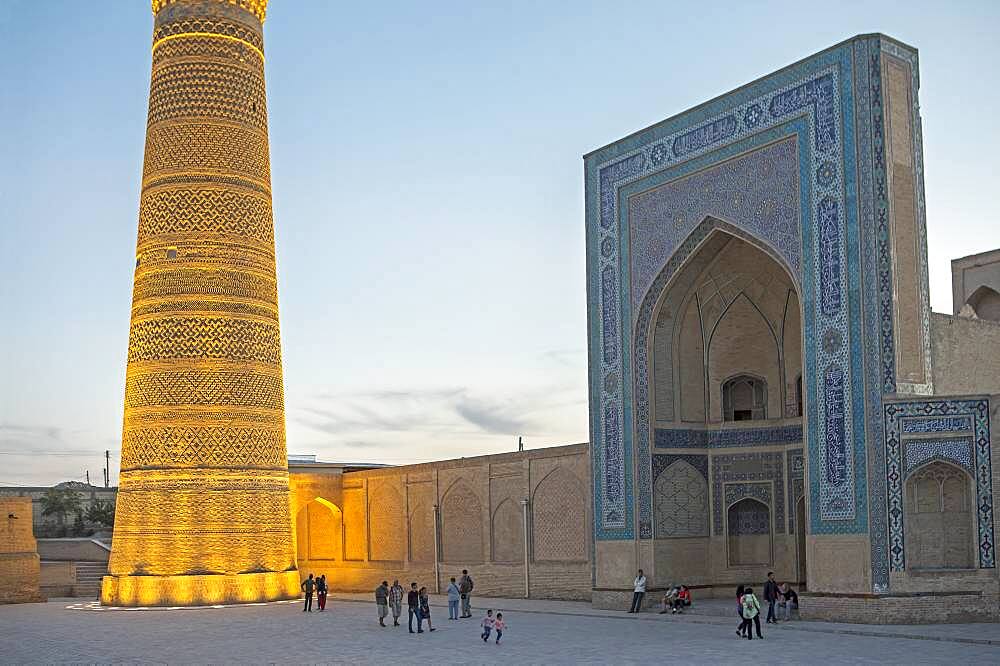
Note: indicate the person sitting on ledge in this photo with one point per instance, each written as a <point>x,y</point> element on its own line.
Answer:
<point>669,598</point>
<point>683,599</point>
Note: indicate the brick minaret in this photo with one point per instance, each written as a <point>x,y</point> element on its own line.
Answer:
<point>203,514</point>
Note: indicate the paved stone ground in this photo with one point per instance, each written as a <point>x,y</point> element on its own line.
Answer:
<point>539,632</point>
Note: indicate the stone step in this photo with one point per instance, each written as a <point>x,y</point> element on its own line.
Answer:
<point>89,574</point>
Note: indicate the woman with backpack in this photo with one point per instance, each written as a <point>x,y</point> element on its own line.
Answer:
<point>751,613</point>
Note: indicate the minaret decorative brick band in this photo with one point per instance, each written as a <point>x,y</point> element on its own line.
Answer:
<point>203,513</point>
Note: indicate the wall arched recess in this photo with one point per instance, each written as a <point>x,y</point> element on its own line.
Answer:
<point>729,307</point>
<point>461,525</point>
<point>940,518</point>
<point>507,534</point>
<point>559,518</point>
<point>319,531</point>
<point>985,302</point>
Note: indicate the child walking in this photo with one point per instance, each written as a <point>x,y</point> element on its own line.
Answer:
<point>499,625</point>
<point>487,625</point>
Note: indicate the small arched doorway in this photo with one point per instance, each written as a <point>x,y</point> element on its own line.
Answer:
<point>749,532</point>
<point>319,534</point>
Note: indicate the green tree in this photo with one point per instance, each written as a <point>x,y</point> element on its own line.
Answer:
<point>61,502</point>
<point>102,513</point>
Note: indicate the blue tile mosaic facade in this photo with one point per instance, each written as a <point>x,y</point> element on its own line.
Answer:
<point>821,120</point>
<point>903,454</point>
<point>762,468</point>
<point>754,518</point>
<point>933,424</point>
<point>685,438</point>
<point>813,102</point>
<point>661,462</point>
<point>918,452</point>
<point>796,472</point>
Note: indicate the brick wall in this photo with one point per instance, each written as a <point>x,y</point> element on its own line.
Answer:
<point>19,565</point>
<point>390,524</point>
<point>927,608</point>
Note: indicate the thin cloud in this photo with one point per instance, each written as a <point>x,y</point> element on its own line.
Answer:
<point>491,418</point>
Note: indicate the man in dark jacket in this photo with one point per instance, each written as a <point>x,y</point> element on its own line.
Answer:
<point>770,596</point>
<point>465,586</point>
<point>382,601</point>
<point>308,585</point>
<point>413,607</point>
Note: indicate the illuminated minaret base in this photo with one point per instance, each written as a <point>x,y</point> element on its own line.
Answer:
<point>203,514</point>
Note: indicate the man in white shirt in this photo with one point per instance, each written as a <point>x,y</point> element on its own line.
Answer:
<point>639,592</point>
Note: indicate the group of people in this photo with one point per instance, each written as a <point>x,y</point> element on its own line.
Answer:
<point>677,598</point>
<point>317,585</point>
<point>748,606</point>
<point>390,599</point>
<point>418,603</point>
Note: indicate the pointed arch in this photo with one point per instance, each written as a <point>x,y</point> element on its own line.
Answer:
<point>559,518</point>
<point>507,533</point>
<point>385,521</point>
<point>706,239</point>
<point>461,524</point>
<point>421,533</point>
<point>748,527</point>
<point>319,532</point>
<point>985,303</point>
<point>940,515</point>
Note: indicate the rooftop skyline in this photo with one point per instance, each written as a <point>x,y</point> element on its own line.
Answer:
<point>428,201</point>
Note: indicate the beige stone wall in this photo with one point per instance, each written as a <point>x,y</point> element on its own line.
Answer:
<point>966,355</point>
<point>425,523</point>
<point>19,565</point>
<point>838,563</point>
<point>908,252</point>
<point>935,608</point>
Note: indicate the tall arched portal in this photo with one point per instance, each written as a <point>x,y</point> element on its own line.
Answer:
<point>319,535</point>
<point>723,369</point>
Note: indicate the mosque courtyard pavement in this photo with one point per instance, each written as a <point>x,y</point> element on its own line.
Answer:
<point>538,632</point>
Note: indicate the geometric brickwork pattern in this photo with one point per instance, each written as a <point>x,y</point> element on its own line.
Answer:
<point>234,212</point>
<point>680,501</point>
<point>559,518</point>
<point>385,510</point>
<point>355,541</point>
<point>421,531</point>
<point>223,387</point>
<point>509,522</point>
<point>193,25</point>
<point>953,431</point>
<point>204,482</point>
<point>256,7</point>
<point>187,283</point>
<point>813,101</point>
<point>209,89</point>
<point>461,528</point>
<point>204,337</point>
<point>177,148</point>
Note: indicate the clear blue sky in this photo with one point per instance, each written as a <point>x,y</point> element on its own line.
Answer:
<point>428,193</point>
